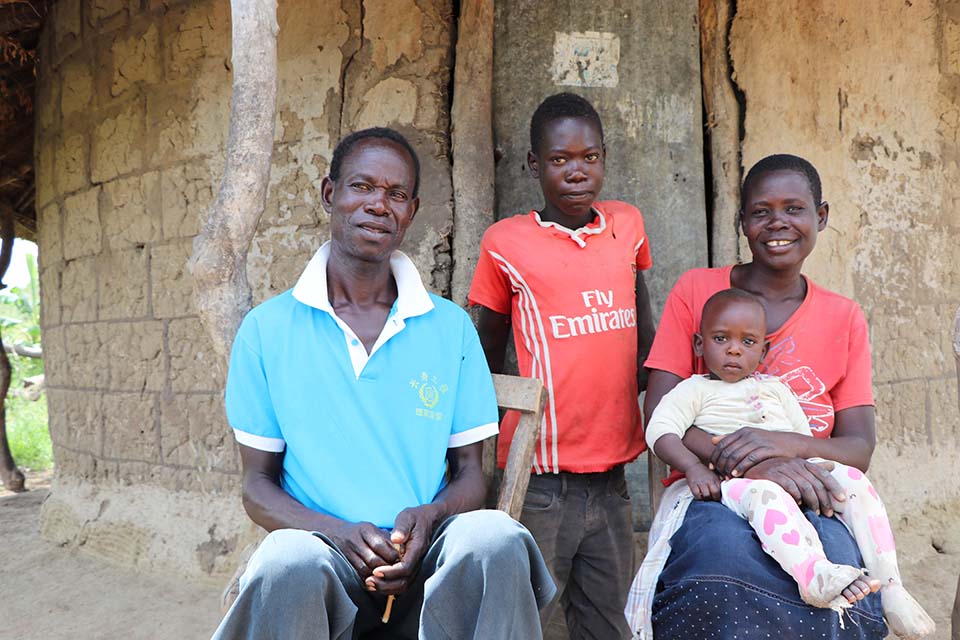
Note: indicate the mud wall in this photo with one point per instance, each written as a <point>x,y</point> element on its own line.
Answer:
<point>132,123</point>
<point>873,99</point>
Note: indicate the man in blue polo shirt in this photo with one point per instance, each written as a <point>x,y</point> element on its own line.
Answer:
<point>360,402</point>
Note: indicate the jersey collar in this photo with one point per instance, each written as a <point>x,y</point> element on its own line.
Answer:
<point>412,297</point>
<point>577,235</point>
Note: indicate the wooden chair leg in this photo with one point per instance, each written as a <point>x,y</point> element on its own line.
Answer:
<point>656,472</point>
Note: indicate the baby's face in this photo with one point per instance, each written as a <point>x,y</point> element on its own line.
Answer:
<point>732,340</point>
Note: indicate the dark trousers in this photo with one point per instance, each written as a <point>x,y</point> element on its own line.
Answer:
<point>481,578</point>
<point>583,524</point>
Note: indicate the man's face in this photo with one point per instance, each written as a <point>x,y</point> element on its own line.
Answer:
<point>372,203</point>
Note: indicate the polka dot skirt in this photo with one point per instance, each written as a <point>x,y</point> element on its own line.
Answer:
<point>720,609</point>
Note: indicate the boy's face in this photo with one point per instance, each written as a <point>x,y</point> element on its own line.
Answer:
<point>732,339</point>
<point>569,165</point>
<point>780,219</point>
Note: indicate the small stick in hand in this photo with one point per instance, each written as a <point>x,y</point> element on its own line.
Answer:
<point>386,612</point>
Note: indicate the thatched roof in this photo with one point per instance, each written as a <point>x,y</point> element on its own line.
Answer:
<point>20,23</point>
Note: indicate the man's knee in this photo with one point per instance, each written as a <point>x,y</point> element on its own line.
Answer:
<point>290,556</point>
<point>489,533</point>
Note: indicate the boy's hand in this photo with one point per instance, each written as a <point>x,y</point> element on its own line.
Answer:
<point>704,484</point>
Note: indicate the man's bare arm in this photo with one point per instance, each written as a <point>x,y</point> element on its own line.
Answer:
<point>414,527</point>
<point>365,545</point>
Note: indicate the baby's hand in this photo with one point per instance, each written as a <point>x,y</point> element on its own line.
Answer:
<point>704,484</point>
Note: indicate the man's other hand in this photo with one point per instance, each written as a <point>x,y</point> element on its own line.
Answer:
<point>412,531</point>
<point>366,547</point>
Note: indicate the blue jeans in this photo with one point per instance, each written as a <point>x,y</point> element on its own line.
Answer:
<point>482,577</point>
<point>718,583</point>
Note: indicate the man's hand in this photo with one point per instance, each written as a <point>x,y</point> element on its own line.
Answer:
<point>366,547</point>
<point>808,483</point>
<point>413,531</point>
<point>704,484</point>
<point>734,454</point>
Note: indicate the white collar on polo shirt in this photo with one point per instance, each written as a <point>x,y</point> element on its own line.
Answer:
<point>575,233</point>
<point>412,297</point>
<point>412,300</point>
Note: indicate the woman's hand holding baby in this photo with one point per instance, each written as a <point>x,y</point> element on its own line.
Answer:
<point>734,454</point>
<point>810,484</point>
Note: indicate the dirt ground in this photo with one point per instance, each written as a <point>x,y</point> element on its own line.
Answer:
<point>53,593</point>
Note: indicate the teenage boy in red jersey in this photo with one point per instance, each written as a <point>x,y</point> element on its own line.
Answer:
<point>568,279</point>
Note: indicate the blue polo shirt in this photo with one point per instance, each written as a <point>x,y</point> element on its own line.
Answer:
<point>365,435</point>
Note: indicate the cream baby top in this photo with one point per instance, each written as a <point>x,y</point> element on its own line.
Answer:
<point>721,408</point>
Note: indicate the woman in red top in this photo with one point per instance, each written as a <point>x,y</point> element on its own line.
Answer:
<point>820,348</point>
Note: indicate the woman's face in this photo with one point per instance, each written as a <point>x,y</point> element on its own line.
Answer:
<point>781,220</point>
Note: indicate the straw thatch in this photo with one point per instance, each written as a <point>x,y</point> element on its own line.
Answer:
<point>20,23</point>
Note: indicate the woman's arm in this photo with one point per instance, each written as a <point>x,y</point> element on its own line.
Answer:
<point>659,384</point>
<point>781,457</point>
<point>851,443</point>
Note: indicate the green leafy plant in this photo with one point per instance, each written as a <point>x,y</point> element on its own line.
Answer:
<point>20,310</point>
<point>27,430</point>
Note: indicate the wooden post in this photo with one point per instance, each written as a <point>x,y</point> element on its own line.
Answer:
<point>722,135</point>
<point>221,292</point>
<point>11,476</point>
<point>471,136</point>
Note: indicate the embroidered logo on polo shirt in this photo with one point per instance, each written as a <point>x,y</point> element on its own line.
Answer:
<point>429,389</point>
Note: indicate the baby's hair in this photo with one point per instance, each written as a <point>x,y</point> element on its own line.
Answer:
<point>783,162</point>
<point>726,296</point>
<point>346,145</point>
<point>557,107</point>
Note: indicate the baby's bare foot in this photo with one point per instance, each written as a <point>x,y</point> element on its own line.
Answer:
<point>860,589</point>
<point>828,583</point>
<point>904,615</point>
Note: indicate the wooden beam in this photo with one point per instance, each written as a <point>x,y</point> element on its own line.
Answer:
<point>471,127</point>
<point>221,292</point>
<point>722,134</point>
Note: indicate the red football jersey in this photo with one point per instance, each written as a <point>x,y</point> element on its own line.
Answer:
<point>572,299</point>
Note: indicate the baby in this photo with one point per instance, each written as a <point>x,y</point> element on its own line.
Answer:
<point>732,343</point>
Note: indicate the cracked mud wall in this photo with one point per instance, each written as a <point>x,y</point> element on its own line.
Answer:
<point>133,111</point>
<point>872,98</point>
